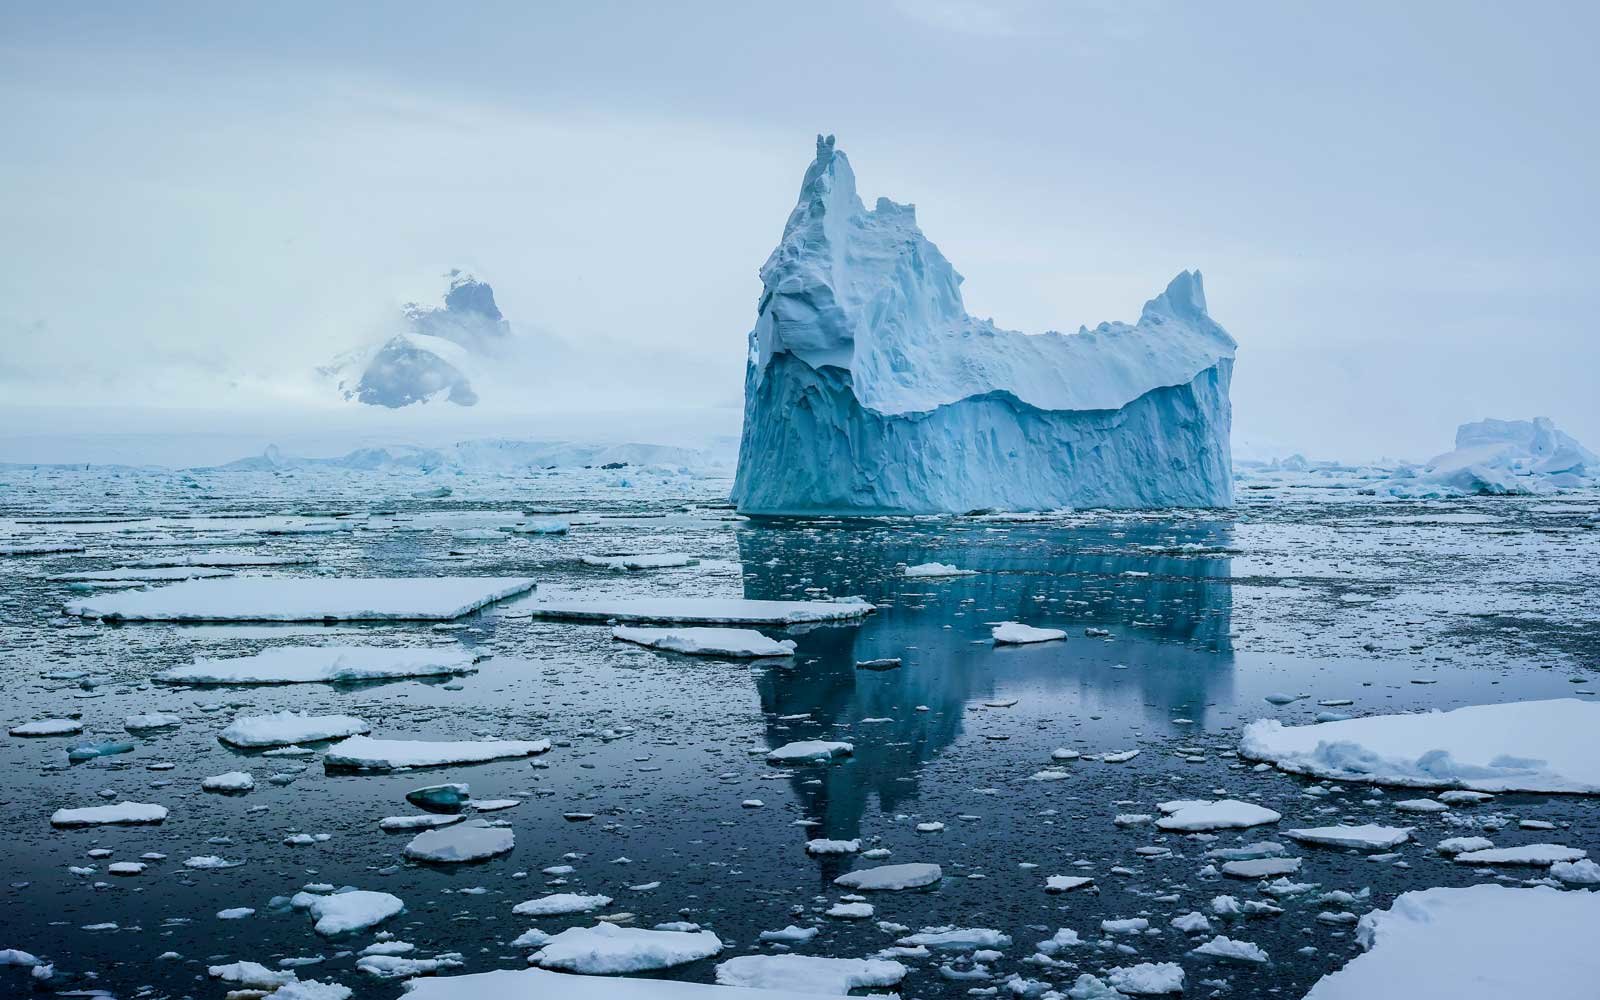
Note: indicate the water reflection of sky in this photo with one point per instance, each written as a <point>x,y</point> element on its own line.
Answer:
<point>1171,656</point>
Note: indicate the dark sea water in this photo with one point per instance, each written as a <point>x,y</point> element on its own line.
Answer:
<point>1206,616</point>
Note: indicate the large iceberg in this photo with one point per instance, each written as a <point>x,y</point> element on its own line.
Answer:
<point>870,389</point>
<point>1503,457</point>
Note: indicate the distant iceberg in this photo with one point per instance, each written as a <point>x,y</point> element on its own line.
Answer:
<point>1502,457</point>
<point>870,389</point>
<point>432,356</point>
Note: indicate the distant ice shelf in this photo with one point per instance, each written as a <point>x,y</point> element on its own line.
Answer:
<point>870,389</point>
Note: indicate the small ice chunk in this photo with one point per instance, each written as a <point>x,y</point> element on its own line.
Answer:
<point>1018,634</point>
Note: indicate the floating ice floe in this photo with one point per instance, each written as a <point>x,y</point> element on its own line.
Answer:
<point>1147,978</point>
<point>39,549</point>
<point>808,973</point>
<point>363,753</point>
<point>312,989</point>
<point>1529,746</point>
<point>1018,634</point>
<point>224,559</point>
<point>935,570</point>
<point>233,782</point>
<point>299,599</point>
<point>324,664</point>
<point>1225,814</point>
<point>607,949</point>
<point>121,813</point>
<point>141,575</point>
<point>1234,951</point>
<point>1482,942</point>
<point>151,720</point>
<point>809,751</point>
<point>343,912</point>
<point>48,727</point>
<point>889,878</point>
<point>581,606</point>
<point>252,975</point>
<point>1576,872</point>
<point>537,984</point>
<point>833,846</point>
<point>1368,837</point>
<point>392,824</point>
<point>735,642</point>
<point>560,904</point>
<point>283,728</point>
<point>659,560</point>
<point>1527,854</point>
<point>1066,883</point>
<point>1261,867</point>
<point>460,843</point>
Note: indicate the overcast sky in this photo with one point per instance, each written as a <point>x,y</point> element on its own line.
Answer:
<point>1394,205</point>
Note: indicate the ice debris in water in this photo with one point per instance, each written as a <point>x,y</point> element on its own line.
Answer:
<point>324,664</point>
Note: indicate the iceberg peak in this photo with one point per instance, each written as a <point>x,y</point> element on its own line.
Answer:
<point>862,344</point>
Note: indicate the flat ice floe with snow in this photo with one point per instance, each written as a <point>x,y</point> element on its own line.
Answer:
<point>810,974</point>
<point>1018,634</point>
<point>324,664</point>
<point>364,753</point>
<point>1367,837</point>
<point>744,643</point>
<point>584,606</point>
<point>538,984</point>
<point>303,599</point>
<point>343,912</point>
<point>891,878</point>
<point>1482,942</point>
<point>463,842</point>
<point>121,813</point>
<point>607,949</point>
<point>281,729</point>
<point>1525,746</point>
<point>1224,814</point>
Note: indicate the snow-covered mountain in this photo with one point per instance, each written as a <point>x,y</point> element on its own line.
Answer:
<point>870,388</point>
<point>433,357</point>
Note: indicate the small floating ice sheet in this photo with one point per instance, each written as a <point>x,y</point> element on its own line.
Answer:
<point>1527,854</point>
<point>809,752</point>
<point>48,727</point>
<point>890,878</point>
<point>654,560</point>
<point>278,599</point>
<point>141,575</point>
<point>935,570</point>
<point>1226,814</point>
<point>357,910</point>
<point>1368,837</point>
<point>1482,942</point>
<point>280,729</point>
<point>581,606</point>
<point>744,643</point>
<point>324,664</point>
<point>460,843</point>
<point>121,813</point>
<point>1018,634</point>
<point>1528,746</point>
<point>607,949</point>
<point>809,973</point>
<point>366,754</point>
<point>560,904</point>
<point>538,984</point>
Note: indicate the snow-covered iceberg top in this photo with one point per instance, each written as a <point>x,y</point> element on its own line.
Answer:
<point>864,290</point>
<point>537,984</point>
<point>870,388</point>
<point>1525,746</point>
